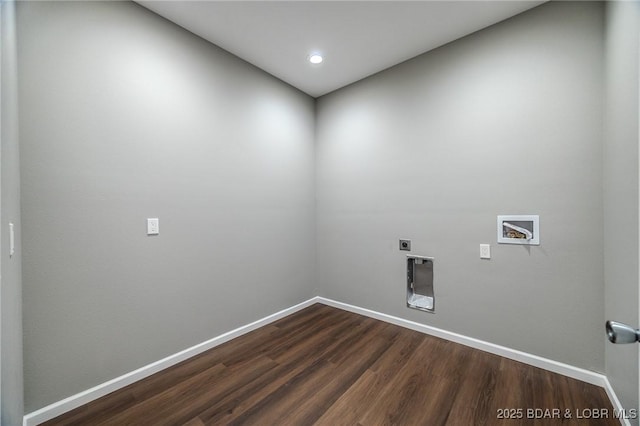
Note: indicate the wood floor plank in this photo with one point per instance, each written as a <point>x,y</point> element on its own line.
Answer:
<point>282,400</point>
<point>194,422</point>
<point>477,390</point>
<point>409,394</point>
<point>509,394</point>
<point>156,405</point>
<point>355,401</point>
<point>302,318</point>
<point>292,364</point>
<point>228,409</point>
<point>326,366</point>
<point>291,402</point>
<point>184,401</point>
<point>96,411</point>
<point>345,374</point>
<point>318,340</point>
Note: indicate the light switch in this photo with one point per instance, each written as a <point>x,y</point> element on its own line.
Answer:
<point>485,251</point>
<point>12,241</point>
<point>153,226</point>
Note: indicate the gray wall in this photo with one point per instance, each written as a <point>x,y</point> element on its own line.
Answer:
<point>505,121</point>
<point>11,268</point>
<point>622,40</point>
<point>126,116</point>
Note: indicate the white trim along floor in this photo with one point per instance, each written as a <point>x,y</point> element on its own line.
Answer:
<point>74,401</point>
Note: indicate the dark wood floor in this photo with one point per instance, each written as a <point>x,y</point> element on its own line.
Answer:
<point>325,366</point>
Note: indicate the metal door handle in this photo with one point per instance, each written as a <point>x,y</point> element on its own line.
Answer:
<point>618,332</point>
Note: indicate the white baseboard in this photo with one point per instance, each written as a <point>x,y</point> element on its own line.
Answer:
<point>615,401</point>
<point>74,401</point>
<point>54,410</point>
<point>524,357</point>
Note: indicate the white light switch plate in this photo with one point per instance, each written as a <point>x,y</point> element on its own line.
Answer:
<point>485,251</point>
<point>153,226</point>
<point>12,241</point>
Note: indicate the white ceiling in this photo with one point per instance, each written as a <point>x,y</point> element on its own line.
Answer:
<point>356,38</point>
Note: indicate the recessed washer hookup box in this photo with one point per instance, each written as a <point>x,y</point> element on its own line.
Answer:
<point>519,229</point>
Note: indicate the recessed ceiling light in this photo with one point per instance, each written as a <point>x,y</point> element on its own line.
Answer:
<point>315,58</point>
